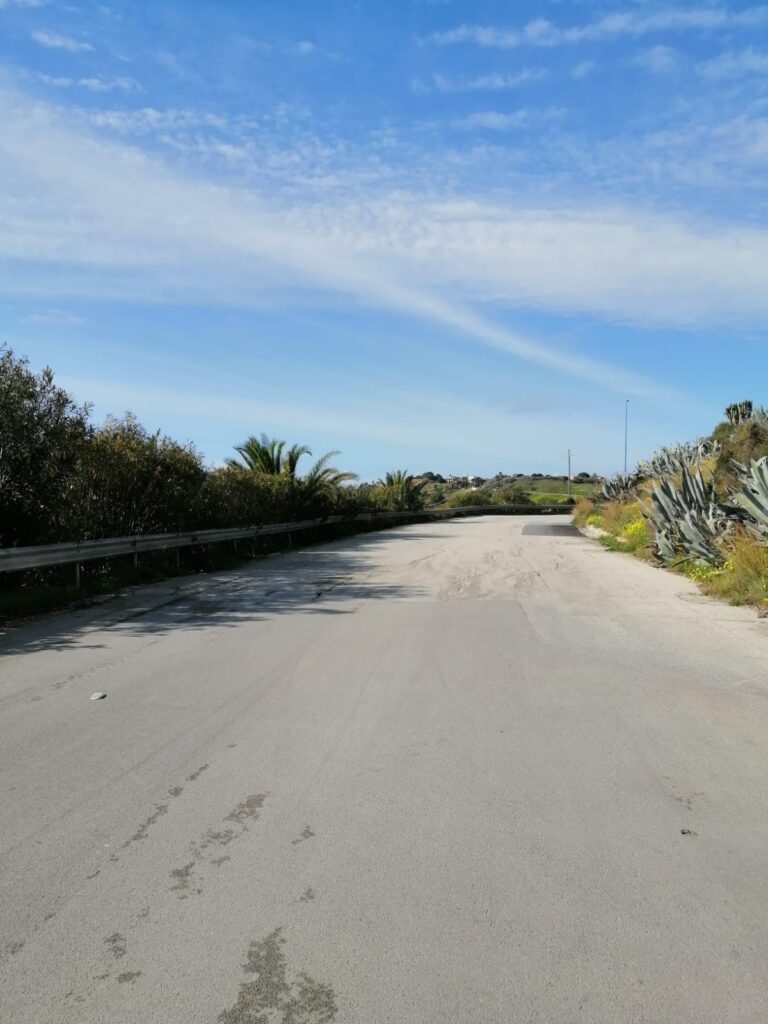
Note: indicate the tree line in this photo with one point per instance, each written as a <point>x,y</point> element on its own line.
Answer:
<point>63,477</point>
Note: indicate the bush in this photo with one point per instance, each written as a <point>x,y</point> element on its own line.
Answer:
<point>511,494</point>
<point>235,497</point>
<point>130,481</point>
<point>43,434</point>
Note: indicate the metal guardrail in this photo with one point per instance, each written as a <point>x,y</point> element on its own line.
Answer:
<point>75,552</point>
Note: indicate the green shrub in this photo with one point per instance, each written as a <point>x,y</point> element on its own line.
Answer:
<point>129,481</point>
<point>43,434</point>
<point>465,499</point>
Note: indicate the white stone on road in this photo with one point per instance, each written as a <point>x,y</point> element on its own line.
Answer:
<point>472,772</point>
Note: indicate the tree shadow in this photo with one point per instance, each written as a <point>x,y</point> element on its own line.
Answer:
<point>326,579</point>
<point>551,530</point>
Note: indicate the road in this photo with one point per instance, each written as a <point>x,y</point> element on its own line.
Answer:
<point>472,772</point>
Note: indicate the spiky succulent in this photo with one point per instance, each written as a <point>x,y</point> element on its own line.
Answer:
<point>620,486</point>
<point>674,459</point>
<point>740,412</point>
<point>687,519</point>
<point>753,497</point>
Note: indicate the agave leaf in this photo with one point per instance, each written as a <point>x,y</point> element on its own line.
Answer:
<point>665,546</point>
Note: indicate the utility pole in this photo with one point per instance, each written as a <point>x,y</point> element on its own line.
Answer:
<point>626,433</point>
<point>570,488</point>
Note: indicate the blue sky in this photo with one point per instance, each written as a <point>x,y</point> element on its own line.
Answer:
<point>434,234</point>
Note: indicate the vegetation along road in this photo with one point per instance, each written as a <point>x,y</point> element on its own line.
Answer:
<point>480,771</point>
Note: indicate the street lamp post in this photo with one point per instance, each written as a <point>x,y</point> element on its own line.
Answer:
<point>626,433</point>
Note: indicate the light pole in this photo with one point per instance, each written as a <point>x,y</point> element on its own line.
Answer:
<point>626,433</point>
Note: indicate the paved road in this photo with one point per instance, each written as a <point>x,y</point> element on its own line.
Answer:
<point>477,772</point>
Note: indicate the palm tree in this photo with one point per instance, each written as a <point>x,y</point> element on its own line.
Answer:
<point>292,456</point>
<point>324,479</point>
<point>261,455</point>
<point>402,493</point>
<point>269,456</point>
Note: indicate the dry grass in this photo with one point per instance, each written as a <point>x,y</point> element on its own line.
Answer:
<point>623,523</point>
<point>618,515</point>
<point>583,508</point>
<point>744,577</point>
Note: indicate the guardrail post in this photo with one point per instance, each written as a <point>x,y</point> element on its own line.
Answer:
<point>77,574</point>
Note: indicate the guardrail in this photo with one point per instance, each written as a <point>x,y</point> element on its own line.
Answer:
<point>76,552</point>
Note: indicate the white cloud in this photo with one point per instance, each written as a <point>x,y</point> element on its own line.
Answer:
<point>541,32</point>
<point>735,64</point>
<point>493,82</point>
<point>56,80</point>
<point>116,219</point>
<point>494,120</point>
<point>616,262</point>
<point>147,120</point>
<point>81,216</point>
<point>54,41</point>
<point>108,84</point>
<point>658,60</point>
<point>22,3</point>
<point>92,84</point>
<point>304,47</point>
<point>583,69</point>
<point>53,318</point>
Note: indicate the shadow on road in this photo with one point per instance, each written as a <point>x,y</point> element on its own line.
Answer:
<point>321,580</point>
<point>550,530</point>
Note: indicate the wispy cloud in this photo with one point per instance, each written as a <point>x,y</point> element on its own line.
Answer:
<point>117,221</point>
<point>22,3</point>
<point>542,32</point>
<point>53,318</point>
<point>146,120</point>
<point>494,120</point>
<point>82,216</point>
<point>583,69</point>
<point>658,60</point>
<point>54,41</point>
<point>108,84</point>
<point>620,264</point>
<point>494,82</point>
<point>735,64</point>
<point>92,84</point>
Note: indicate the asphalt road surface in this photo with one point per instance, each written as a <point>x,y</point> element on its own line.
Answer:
<point>474,772</point>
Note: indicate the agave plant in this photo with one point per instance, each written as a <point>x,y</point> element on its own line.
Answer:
<point>620,486</point>
<point>687,518</point>
<point>665,545</point>
<point>753,498</point>
<point>672,460</point>
<point>737,412</point>
<point>698,538</point>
